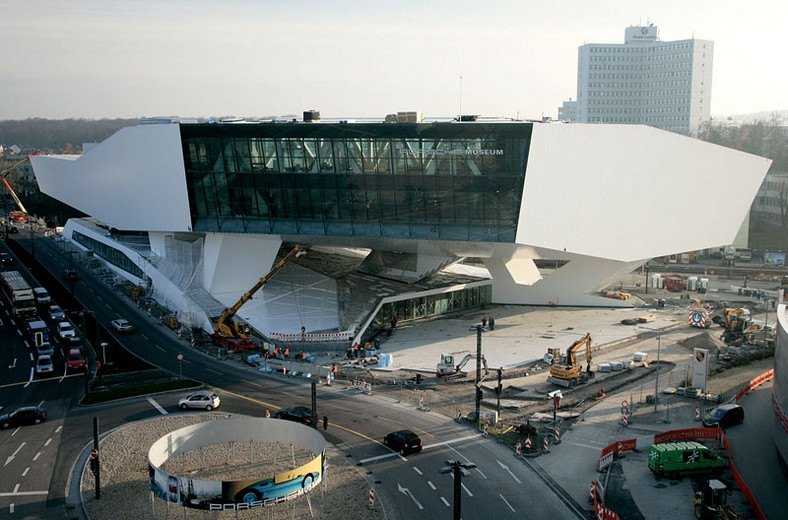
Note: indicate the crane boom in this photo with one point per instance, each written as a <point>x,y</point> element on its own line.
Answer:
<point>3,175</point>
<point>224,326</point>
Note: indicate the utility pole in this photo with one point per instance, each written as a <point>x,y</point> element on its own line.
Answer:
<point>499,391</point>
<point>477,386</point>
<point>458,469</point>
<point>314,405</point>
<point>97,467</point>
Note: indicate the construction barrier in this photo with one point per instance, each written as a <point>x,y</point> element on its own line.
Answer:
<point>754,383</point>
<point>557,435</point>
<point>606,456</point>
<point>371,498</point>
<point>421,402</point>
<point>518,447</point>
<point>312,338</point>
<point>486,425</point>
<point>546,444</point>
<point>697,412</point>
<point>361,384</point>
<point>527,443</point>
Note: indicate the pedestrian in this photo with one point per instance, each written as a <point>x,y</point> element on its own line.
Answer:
<point>484,322</point>
<point>492,323</point>
<point>394,321</point>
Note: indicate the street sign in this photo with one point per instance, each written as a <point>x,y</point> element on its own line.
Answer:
<point>180,357</point>
<point>93,453</point>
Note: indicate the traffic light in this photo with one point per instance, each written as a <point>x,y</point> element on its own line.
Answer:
<point>418,379</point>
<point>479,393</point>
<point>94,465</point>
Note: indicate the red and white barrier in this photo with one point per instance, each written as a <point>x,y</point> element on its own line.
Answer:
<point>527,443</point>
<point>518,448</point>
<point>592,493</point>
<point>697,412</point>
<point>546,444</point>
<point>486,425</point>
<point>371,498</point>
<point>315,338</point>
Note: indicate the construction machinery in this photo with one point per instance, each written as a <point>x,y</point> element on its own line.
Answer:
<point>737,324</point>
<point>568,372</point>
<point>712,502</point>
<point>5,173</point>
<point>228,332</point>
<point>449,367</point>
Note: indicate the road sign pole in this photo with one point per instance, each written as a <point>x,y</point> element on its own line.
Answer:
<point>96,447</point>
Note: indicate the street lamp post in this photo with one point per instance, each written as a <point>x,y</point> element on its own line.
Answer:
<point>477,386</point>
<point>656,390</point>
<point>458,469</point>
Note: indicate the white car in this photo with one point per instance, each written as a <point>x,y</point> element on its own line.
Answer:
<point>202,399</point>
<point>122,325</point>
<point>65,330</point>
<point>44,364</point>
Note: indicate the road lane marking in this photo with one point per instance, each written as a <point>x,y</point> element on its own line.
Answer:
<point>24,473</point>
<point>160,348</point>
<point>290,394</point>
<point>57,430</point>
<point>595,448</point>
<point>36,457</point>
<point>506,469</point>
<point>417,470</point>
<point>267,405</point>
<point>467,460</point>
<point>387,419</point>
<point>251,383</point>
<point>217,372</point>
<point>16,488</point>
<point>19,332</point>
<point>406,491</point>
<point>9,459</point>
<point>507,503</point>
<point>41,404</point>
<point>452,441</point>
<point>144,337</point>
<point>24,493</point>
<point>11,508</point>
<point>466,489</point>
<point>430,484</point>
<point>157,406</point>
<point>394,454</point>
<point>378,457</point>
<point>445,502</point>
<point>13,365</point>
<point>186,361</point>
<point>47,442</point>
<point>422,431</point>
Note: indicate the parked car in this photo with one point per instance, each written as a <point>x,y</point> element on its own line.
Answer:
<point>23,416</point>
<point>122,325</point>
<point>71,343</point>
<point>70,275</point>
<point>75,359</point>
<point>65,330</point>
<point>12,230</point>
<point>44,364</point>
<point>45,348</point>
<point>56,314</point>
<point>202,399</point>
<point>6,260</point>
<point>300,414</point>
<point>404,441</point>
<point>724,415</point>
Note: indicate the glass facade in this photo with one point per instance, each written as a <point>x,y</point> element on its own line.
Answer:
<point>443,181</point>
<point>110,254</point>
<point>429,306</point>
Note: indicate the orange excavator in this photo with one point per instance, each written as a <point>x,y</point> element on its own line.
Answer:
<point>570,373</point>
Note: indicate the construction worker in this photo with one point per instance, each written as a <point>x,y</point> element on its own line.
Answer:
<point>335,369</point>
<point>276,352</point>
<point>287,352</point>
<point>303,356</point>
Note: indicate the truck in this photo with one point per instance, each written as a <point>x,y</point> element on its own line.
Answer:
<point>18,292</point>
<point>568,372</point>
<point>675,283</point>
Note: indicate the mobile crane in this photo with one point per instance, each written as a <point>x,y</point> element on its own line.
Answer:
<point>5,173</point>
<point>229,333</point>
<point>569,373</point>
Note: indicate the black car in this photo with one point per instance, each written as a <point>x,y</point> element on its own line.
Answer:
<point>300,414</point>
<point>6,260</point>
<point>23,416</point>
<point>404,441</point>
<point>724,415</point>
<point>70,275</point>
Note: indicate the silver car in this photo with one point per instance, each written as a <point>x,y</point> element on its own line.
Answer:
<point>44,364</point>
<point>204,399</point>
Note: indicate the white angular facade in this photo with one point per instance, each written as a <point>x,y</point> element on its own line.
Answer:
<point>597,199</point>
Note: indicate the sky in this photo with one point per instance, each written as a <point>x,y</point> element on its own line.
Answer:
<point>255,58</point>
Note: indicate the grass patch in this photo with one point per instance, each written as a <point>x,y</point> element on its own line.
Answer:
<point>135,391</point>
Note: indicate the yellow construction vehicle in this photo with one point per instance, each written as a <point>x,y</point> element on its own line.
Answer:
<point>4,174</point>
<point>570,373</point>
<point>712,502</point>
<point>226,330</point>
<point>738,324</point>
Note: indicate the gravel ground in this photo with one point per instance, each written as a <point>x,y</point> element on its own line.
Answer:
<point>124,477</point>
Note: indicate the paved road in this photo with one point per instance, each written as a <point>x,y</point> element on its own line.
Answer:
<point>754,453</point>
<point>358,423</point>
